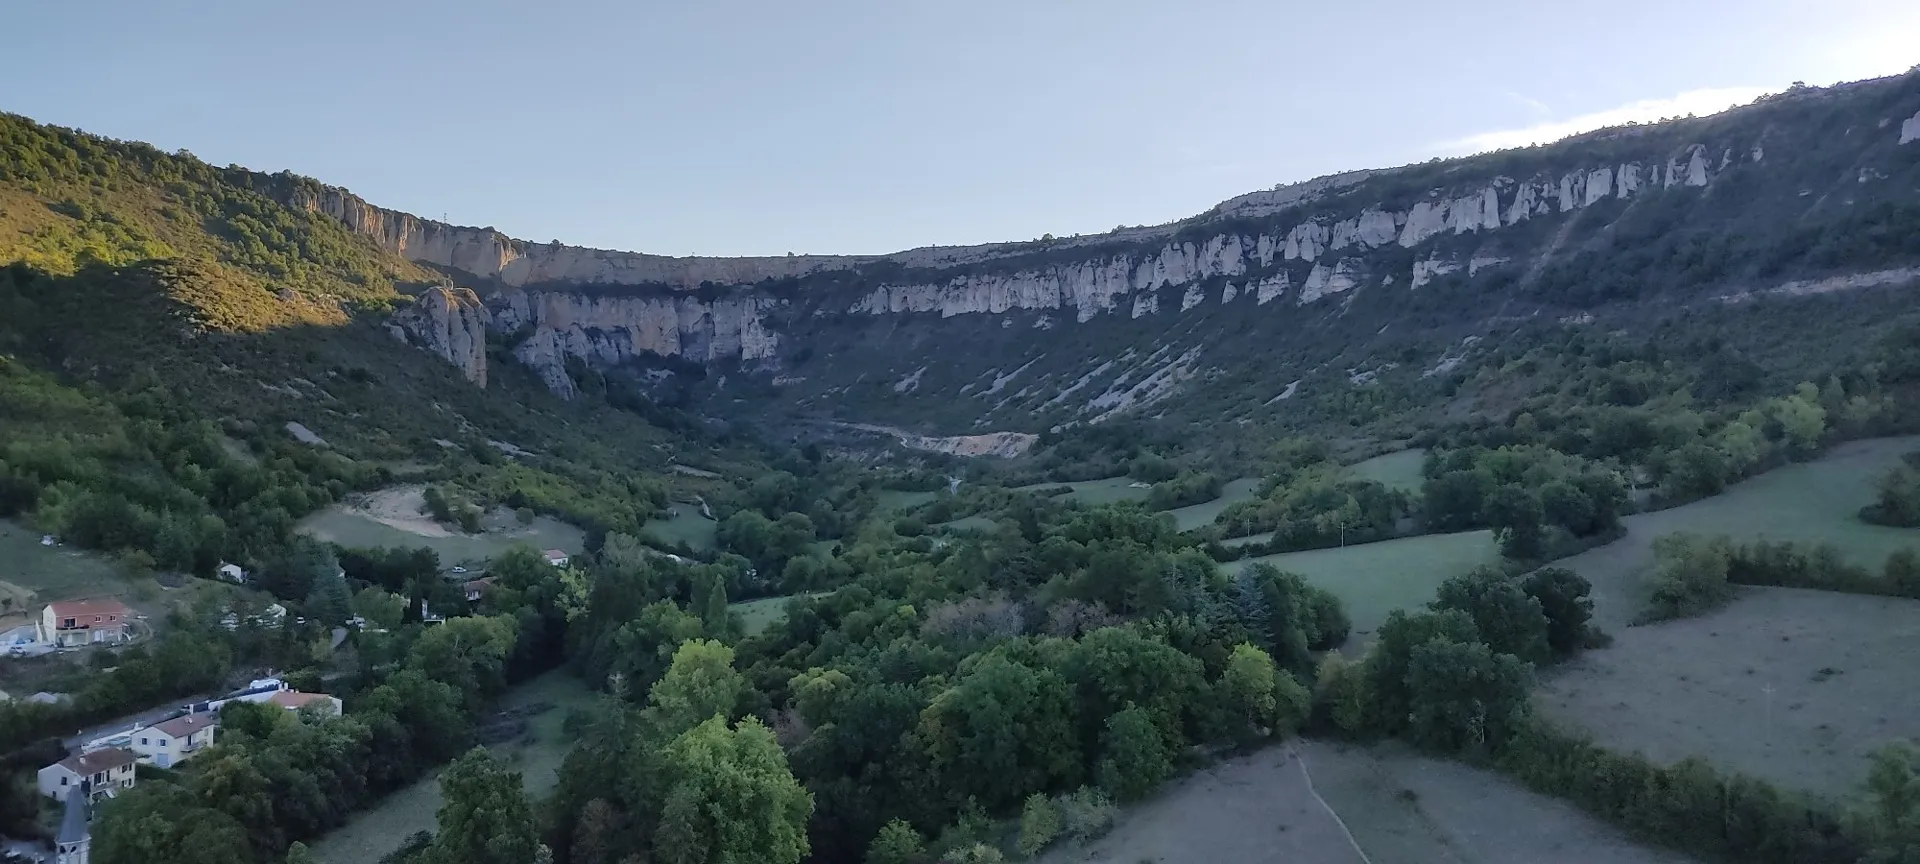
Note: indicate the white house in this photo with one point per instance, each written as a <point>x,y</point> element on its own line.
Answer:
<point>74,843</point>
<point>294,700</point>
<point>72,623</point>
<point>232,572</point>
<point>557,557</point>
<point>171,742</point>
<point>102,773</point>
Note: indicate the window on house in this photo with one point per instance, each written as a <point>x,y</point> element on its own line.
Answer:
<point>70,623</point>
<point>161,741</point>
<point>63,781</point>
<point>143,742</point>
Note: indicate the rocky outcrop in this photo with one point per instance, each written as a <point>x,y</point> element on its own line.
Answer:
<point>610,329</point>
<point>1910,129</point>
<point>451,323</point>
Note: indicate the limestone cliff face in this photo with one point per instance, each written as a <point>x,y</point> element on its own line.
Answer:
<point>451,323</point>
<point>1305,247</point>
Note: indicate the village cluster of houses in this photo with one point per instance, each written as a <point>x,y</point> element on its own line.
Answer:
<point>104,766</point>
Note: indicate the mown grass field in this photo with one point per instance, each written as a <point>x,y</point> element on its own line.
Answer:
<point>337,525</point>
<point>1399,470</point>
<point>1195,515</point>
<point>1839,667</point>
<point>1373,579</point>
<point>374,833</point>
<point>686,526</point>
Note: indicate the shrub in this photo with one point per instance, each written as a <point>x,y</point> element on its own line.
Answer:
<point>1086,815</point>
<point>1039,824</point>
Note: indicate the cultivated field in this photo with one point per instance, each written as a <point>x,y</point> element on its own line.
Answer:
<point>1839,666</point>
<point>1195,515</point>
<point>393,517</point>
<point>686,526</point>
<point>374,833</point>
<point>1373,579</point>
<point>1399,470</point>
<point>1400,808</point>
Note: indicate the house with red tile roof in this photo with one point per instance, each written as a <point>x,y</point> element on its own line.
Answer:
<point>100,773</point>
<point>72,623</point>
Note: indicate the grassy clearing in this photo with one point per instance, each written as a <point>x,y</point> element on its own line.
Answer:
<point>1837,664</point>
<point>757,615</point>
<point>982,524</point>
<point>374,833</point>
<point>337,524</point>
<point>1398,805</point>
<point>54,573</point>
<point>1108,491</point>
<point>1373,579</point>
<point>1810,502</point>
<point>1195,515</point>
<point>685,526</point>
<point>1399,470</point>
<point>895,499</point>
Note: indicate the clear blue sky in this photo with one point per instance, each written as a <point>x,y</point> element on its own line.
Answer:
<point>767,126</point>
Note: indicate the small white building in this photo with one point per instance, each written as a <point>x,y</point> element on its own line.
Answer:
<point>102,773</point>
<point>233,572</point>
<point>557,557</point>
<point>171,742</point>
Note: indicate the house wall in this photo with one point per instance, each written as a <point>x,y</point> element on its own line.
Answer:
<point>166,750</point>
<point>112,780</point>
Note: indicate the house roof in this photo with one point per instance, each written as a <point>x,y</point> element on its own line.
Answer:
<point>295,700</point>
<point>73,823</point>
<point>90,608</point>
<point>85,764</point>
<point>184,725</point>
<point>556,553</point>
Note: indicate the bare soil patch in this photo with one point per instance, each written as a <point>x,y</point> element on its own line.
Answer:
<point>1402,809</point>
<point>1840,668</point>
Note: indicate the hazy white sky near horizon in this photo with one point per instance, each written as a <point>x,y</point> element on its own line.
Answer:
<point>735,127</point>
